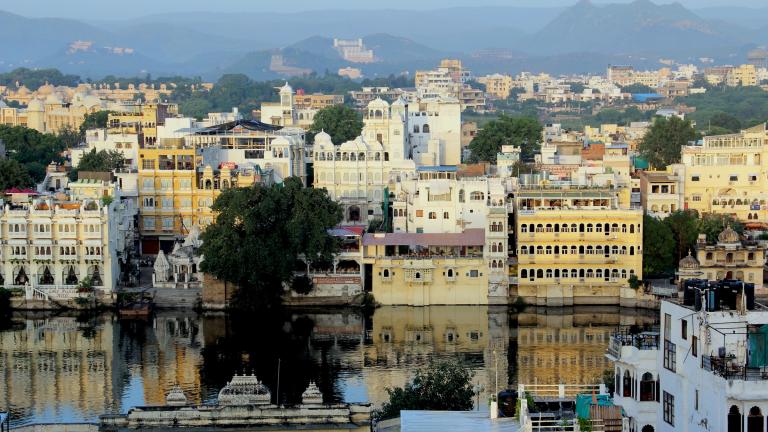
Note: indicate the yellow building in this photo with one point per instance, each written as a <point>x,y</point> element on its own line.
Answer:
<point>421,269</point>
<point>728,258</point>
<point>744,76</point>
<point>497,85</point>
<point>142,120</point>
<point>177,192</point>
<point>727,174</point>
<point>577,247</point>
<point>659,192</point>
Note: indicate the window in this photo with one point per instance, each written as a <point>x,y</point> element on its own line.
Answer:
<point>694,346</point>
<point>696,198</point>
<point>148,164</point>
<point>445,215</point>
<point>149,202</point>
<point>695,178</point>
<point>166,184</point>
<point>696,400</point>
<point>667,327</point>
<point>148,183</point>
<point>432,215</point>
<point>753,178</point>
<point>733,178</point>
<point>684,329</point>
<point>473,273</point>
<point>670,356</point>
<point>149,223</point>
<point>167,203</point>
<point>168,223</point>
<point>669,408</point>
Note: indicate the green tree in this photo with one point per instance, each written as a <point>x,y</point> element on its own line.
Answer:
<point>725,121</point>
<point>32,149</point>
<point>684,225</point>
<point>70,138</point>
<point>637,88</point>
<point>94,120</point>
<point>101,161</point>
<point>442,386</point>
<point>259,234</point>
<point>662,144</point>
<point>13,174</point>
<point>523,132</point>
<point>713,224</point>
<point>342,123</point>
<point>658,248</point>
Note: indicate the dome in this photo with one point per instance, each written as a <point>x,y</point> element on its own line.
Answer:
<point>176,397</point>
<point>286,88</point>
<point>323,139</point>
<point>45,89</point>
<point>378,102</point>
<point>53,99</point>
<point>399,102</point>
<point>728,236</point>
<point>35,105</point>
<point>245,390</point>
<point>312,395</point>
<point>688,263</point>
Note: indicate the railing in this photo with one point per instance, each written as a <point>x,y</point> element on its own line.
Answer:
<point>728,368</point>
<point>560,391</point>
<point>641,341</point>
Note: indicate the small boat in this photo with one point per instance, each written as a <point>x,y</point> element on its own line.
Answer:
<point>139,308</point>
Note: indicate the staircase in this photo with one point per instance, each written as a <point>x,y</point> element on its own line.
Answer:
<point>175,298</point>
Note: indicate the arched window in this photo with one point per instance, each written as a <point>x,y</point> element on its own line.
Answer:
<point>477,196</point>
<point>461,196</point>
<point>385,273</point>
<point>627,384</point>
<point>755,420</point>
<point>539,273</point>
<point>647,428</point>
<point>631,228</point>
<point>425,128</point>
<point>734,419</point>
<point>647,388</point>
<point>523,273</point>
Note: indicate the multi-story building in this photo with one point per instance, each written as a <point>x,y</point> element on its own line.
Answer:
<point>497,85</point>
<point>730,257</point>
<point>726,174</point>
<point>704,371</point>
<point>368,94</point>
<point>660,192</point>
<point>142,120</point>
<point>353,50</point>
<point>177,185</point>
<point>434,129</point>
<point>577,245</point>
<point>421,269</point>
<point>742,76</point>
<point>49,247</point>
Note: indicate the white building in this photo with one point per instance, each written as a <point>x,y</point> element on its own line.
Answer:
<point>100,139</point>
<point>709,368</point>
<point>435,131</point>
<point>49,247</point>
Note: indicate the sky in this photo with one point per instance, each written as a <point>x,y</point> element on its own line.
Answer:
<point>101,9</point>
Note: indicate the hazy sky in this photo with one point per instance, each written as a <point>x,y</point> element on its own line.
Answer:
<point>101,9</point>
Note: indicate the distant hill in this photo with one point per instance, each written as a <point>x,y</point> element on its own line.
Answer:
<point>640,27</point>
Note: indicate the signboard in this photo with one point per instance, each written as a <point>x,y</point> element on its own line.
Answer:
<point>228,165</point>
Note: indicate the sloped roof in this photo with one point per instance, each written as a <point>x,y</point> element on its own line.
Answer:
<point>251,125</point>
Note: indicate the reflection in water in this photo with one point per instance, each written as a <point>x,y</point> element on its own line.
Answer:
<point>61,368</point>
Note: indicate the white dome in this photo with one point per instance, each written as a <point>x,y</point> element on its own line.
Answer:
<point>286,88</point>
<point>378,103</point>
<point>322,139</point>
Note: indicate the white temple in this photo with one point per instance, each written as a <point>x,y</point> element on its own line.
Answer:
<point>181,268</point>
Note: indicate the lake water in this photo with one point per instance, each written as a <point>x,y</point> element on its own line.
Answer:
<point>70,368</point>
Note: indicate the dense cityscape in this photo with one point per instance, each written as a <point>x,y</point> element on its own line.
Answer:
<point>361,233</point>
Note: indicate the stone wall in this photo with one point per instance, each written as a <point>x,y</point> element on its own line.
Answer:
<point>216,293</point>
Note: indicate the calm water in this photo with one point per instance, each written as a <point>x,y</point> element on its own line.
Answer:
<point>73,368</point>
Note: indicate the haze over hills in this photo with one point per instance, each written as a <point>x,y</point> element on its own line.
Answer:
<point>581,38</point>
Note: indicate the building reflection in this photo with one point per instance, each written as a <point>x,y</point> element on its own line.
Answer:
<point>54,365</point>
<point>65,368</point>
<point>567,345</point>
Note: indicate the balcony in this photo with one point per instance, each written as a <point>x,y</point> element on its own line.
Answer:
<point>648,340</point>
<point>730,368</point>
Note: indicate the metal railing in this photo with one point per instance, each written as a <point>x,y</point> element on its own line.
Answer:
<point>728,368</point>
